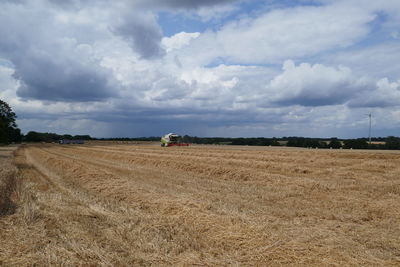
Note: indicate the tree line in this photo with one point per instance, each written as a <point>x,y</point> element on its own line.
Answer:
<point>10,133</point>
<point>390,142</point>
<point>33,136</point>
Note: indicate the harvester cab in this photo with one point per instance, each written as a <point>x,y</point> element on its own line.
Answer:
<point>172,139</point>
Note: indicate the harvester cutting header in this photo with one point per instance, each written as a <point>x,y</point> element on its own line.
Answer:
<point>172,139</point>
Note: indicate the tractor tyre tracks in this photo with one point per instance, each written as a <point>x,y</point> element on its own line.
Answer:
<point>62,206</point>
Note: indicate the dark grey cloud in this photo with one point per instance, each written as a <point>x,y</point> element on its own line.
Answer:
<point>312,101</point>
<point>50,61</point>
<point>46,79</point>
<point>385,94</point>
<point>322,95</point>
<point>143,34</point>
<point>180,4</point>
<point>59,77</point>
<point>74,51</point>
<point>368,102</point>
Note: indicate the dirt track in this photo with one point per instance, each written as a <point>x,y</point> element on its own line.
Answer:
<point>203,206</point>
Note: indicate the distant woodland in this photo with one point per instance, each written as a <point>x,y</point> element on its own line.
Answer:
<point>10,133</point>
<point>390,142</point>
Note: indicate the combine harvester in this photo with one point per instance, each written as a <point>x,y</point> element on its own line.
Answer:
<point>172,139</point>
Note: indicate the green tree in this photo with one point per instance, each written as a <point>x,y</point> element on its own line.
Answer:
<point>8,127</point>
<point>3,132</point>
<point>335,143</point>
<point>33,136</point>
<point>392,142</point>
<point>14,135</point>
<point>356,143</point>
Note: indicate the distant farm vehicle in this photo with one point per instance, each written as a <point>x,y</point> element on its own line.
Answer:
<point>172,139</point>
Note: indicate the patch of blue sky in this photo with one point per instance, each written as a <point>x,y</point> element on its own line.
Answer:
<point>173,23</point>
<point>176,22</point>
<point>6,63</point>
<point>378,32</point>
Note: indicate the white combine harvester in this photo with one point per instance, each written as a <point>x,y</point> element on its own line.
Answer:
<point>172,139</point>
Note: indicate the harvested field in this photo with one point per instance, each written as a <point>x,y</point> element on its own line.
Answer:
<point>8,174</point>
<point>143,205</point>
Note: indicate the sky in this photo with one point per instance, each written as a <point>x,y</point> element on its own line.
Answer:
<point>232,68</point>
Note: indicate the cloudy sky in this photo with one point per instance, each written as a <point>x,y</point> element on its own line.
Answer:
<point>202,67</point>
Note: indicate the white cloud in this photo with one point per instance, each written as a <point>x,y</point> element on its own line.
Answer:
<point>385,94</point>
<point>7,83</point>
<point>376,61</point>
<point>179,40</point>
<point>189,78</point>
<point>286,33</point>
<point>312,85</point>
